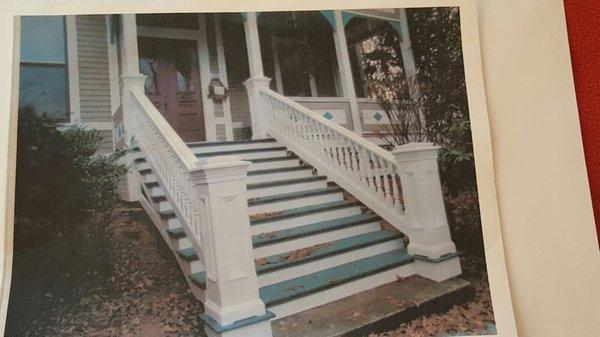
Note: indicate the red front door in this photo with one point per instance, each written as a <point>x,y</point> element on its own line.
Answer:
<point>173,83</point>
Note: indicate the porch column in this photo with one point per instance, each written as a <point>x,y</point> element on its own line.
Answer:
<point>430,243</point>
<point>232,306</point>
<point>408,58</point>
<point>257,80</point>
<point>130,78</point>
<point>343,60</point>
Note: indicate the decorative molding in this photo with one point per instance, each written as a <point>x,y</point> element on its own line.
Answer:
<point>223,76</point>
<point>375,117</point>
<point>334,115</point>
<point>73,68</point>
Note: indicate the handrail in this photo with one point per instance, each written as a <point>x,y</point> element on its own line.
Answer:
<point>363,169</point>
<point>172,163</point>
<point>177,144</point>
<point>332,125</point>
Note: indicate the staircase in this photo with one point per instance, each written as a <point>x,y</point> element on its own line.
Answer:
<point>313,243</point>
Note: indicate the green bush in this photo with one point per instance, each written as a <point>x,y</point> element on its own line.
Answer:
<point>441,95</point>
<point>60,177</point>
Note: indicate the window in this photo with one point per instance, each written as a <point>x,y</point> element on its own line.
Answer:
<point>43,83</point>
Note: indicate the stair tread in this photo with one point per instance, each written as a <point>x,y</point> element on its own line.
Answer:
<point>151,184</point>
<point>309,284</point>
<point>300,211</point>
<point>293,195</point>
<point>199,278</point>
<point>264,160</point>
<point>188,254</point>
<point>277,170</point>
<point>167,213</point>
<point>232,152</point>
<point>284,182</point>
<point>289,259</point>
<point>176,233</point>
<point>263,239</point>
<point>235,142</point>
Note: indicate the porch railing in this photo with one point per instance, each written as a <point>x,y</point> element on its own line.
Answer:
<point>362,168</point>
<point>209,198</point>
<point>170,159</point>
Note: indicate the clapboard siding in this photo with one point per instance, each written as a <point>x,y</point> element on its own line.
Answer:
<point>94,78</point>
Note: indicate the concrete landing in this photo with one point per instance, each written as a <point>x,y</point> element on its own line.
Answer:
<point>376,310</point>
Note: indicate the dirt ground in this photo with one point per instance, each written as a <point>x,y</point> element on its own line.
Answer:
<point>115,276</point>
<point>475,317</point>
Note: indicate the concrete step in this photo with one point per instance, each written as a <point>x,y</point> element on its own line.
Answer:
<point>210,147</point>
<point>281,202</point>
<point>305,292</point>
<point>318,233</point>
<point>295,217</point>
<point>379,309</point>
<point>279,174</point>
<point>289,265</point>
<point>248,154</point>
<point>270,188</point>
<point>274,162</point>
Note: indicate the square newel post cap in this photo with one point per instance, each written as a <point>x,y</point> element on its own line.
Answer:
<point>133,80</point>
<point>416,151</point>
<point>218,169</point>
<point>257,82</point>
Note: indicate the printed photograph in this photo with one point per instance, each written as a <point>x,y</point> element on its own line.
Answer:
<point>251,174</point>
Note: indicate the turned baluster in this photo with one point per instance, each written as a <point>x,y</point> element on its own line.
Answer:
<point>386,182</point>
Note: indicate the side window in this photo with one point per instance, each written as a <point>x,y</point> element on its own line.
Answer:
<point>43,83</point>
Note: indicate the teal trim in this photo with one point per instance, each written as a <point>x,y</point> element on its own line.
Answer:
<point>396,24</point>
<point>398,27</point>
<point>439,259</point>
<point>346,17</point>
<point>216,327</point>
<point>330,17</point>
<point>312,283</point>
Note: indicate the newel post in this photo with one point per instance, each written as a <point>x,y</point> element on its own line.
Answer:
<point>232,305</point>
<point>430,243</point>
<point>257,109</point>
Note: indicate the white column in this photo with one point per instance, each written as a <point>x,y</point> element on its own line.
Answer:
<point>343,60</point>
<point>130,78</point>
<point>223,76</point>
<point>430,243</point>
<point>410,67</point>
<point>226,244</point>
<point>257,80</point>
<point>205,77</point>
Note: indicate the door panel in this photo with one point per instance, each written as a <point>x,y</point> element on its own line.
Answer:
<point>173,83</point>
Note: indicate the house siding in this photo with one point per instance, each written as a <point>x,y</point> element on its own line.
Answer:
<point>94,78</point>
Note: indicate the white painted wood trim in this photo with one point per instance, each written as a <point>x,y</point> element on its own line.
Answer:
<point>113,69</point>
<point>205,77</point>
<point>73,69</point>
<point>341,50</point>
<point>320,99</point>
<point>277,64</point>
<point>101,126</point>
<point>169,33</point>
<point>381,16</point>
<point>223,75</point>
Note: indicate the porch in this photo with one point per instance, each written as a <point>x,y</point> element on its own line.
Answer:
<point>316,59</point>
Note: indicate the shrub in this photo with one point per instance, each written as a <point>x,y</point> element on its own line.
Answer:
<point>440,92</point>
<point>60,176</point>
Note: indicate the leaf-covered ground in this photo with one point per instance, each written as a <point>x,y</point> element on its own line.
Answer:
<point>127,284</point>
<point>115,276</point>
<point>475,317</point>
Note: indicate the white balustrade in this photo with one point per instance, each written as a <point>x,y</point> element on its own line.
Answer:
<point>209,198</point>
<point>362,168</point>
